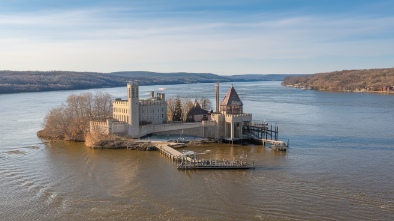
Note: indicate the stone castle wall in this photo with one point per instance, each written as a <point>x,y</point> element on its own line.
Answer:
<point>99,127</point>
<point>153,111</point>
<point>205,129</point>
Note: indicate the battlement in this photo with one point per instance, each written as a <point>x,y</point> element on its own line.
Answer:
<point>119,101</point>
<point>101,127</point>
<point>152,102</point>
<point>238,117</point>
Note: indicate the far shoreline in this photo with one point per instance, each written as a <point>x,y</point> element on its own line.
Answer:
<point>43,81</point>
<point>345,91</point>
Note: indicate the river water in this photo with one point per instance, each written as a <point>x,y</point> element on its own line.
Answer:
<point>339,165</point>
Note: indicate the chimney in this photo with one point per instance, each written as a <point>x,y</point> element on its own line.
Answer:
<point>160,96</point>
<point>152,95</point>
<point>217,97</point>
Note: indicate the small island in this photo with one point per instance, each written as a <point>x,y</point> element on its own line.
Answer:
<point>368,80</point>
<point>103,122</point>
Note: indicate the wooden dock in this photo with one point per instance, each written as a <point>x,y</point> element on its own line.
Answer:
<point>187,162</point>
<point>215,164</point>
<point>260,131</point>
<point>169,152</point>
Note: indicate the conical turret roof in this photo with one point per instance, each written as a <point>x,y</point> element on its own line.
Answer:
<point>231,98</point>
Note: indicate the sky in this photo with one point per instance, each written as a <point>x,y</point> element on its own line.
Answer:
<point>224,37</point>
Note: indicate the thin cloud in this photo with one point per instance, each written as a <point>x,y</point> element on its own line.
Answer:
<point>105,39</point>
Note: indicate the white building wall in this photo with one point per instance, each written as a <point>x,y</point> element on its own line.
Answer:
<point>153,111</point>
<point>119,127</point>
<point>121,110</point>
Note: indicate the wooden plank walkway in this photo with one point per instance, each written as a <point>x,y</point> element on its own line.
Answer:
<point>187,163</point>
<point>169,151</point>
<point>215,164</point>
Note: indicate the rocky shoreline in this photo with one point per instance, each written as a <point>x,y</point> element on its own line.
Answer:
<point>100,141</point>
<point>342,91</point>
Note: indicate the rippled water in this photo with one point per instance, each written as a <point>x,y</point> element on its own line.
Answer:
<point>339,166</point>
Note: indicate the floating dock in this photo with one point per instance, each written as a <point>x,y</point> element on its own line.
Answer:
<point>214,164</point>
<point>188,162</point>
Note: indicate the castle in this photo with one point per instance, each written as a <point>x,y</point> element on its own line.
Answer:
<point>136,117</point>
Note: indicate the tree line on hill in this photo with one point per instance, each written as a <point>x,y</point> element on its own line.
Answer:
<point>34,81</point>
<point>368,80</point>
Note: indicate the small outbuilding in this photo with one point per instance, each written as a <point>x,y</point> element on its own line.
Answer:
<point>197,114</point>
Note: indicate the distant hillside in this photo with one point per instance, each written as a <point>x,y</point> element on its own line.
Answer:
<point>259,77</point>
<point>146,77</point>
<point>367,80</point>
<point>33,81</point>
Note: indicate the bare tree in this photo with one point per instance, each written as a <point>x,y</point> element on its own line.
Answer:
<point>71,121</point>
<point>102,105</point>
<point>186,106</point>
<point>205,103</point>
<point>178,108</point>
<point>56,123</point>
<point>171,106</point>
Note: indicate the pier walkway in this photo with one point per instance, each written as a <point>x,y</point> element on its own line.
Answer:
<point>186,162</point>
<point>170,152</point>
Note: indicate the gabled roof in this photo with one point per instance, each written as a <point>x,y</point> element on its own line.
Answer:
<point>197,110</point>
<point>231,98</point>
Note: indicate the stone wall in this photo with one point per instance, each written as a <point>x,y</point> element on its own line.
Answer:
<point>100,127</point>
<point>238,117</point>
<point>119,127</point>
<point>154,129</point>
<point>206,129</point>
<point>108,127</point>
<point>153,111</point>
